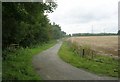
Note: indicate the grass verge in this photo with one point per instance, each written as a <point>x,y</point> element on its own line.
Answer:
<point>18,64</point>
<point>109,67</point>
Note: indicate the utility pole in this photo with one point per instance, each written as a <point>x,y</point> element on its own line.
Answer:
<point>92,29</point>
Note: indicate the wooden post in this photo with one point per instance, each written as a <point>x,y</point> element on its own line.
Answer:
<point>83,53</point>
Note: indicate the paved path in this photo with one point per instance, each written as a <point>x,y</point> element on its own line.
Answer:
<point>51,67</point>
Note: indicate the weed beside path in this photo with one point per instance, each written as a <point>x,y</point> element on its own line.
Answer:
<point>109,67</point>
<point>18,63</point>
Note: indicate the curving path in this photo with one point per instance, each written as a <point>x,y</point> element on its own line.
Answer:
<point>50,67</point>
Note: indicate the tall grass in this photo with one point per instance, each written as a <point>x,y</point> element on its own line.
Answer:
<point>17,64</point>
<point>82,50</point>
<point>101,65</point>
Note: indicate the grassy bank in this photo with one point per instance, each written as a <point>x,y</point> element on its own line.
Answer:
<point>108,67</point>
<point>18,63</point>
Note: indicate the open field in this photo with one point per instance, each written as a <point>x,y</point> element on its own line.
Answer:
<point>104,45</point>
<point>107,67</point>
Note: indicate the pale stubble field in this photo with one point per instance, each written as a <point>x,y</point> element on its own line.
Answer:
<point>104,45</point>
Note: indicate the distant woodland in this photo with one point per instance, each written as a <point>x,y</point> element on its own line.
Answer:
<point>94,34</point>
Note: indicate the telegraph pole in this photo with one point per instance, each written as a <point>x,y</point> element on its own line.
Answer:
<point>92,29</point>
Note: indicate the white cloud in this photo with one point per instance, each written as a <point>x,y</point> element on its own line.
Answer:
<point>76,16</point>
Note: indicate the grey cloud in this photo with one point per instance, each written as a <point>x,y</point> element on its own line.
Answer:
<point>72,16</point>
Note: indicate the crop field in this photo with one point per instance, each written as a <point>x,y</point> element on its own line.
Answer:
<point>104,45</point>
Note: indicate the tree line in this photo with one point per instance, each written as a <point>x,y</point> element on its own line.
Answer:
<point>26,23</point>
<point>94,34</point>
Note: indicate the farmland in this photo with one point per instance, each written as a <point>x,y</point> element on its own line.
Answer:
<point>104,45</point>
<point>97,54</point>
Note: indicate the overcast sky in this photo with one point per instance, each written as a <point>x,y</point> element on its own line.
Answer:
<point>80,16</point>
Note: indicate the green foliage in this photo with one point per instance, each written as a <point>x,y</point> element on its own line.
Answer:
<point>82,50</point>
<point>108,67</point>
<point>118,32</point>
<point>57,33</point>
<point>18,63</point>
<point>26,24</point>
<point>95,34</point>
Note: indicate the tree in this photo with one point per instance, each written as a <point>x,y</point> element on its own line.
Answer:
<point>118,32</point>
<point>26,24</point>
